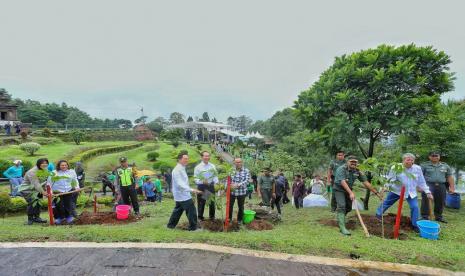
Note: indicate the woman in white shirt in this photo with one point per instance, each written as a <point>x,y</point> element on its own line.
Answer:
<point>63,180</point>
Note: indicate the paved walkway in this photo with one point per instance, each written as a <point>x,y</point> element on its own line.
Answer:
<point>166,259</point>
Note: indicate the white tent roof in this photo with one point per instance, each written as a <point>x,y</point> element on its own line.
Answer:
<point>231,133</point>
<point>208,125</point>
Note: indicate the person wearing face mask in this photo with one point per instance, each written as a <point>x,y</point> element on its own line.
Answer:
<point>34,181</point>
<point>412,178</point>
<point>343,184</point>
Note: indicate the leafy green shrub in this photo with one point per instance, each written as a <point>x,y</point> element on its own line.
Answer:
<point>84,156</point>
<point>84,201</point>
<point>46,141</point>
<point>5,202</point>
<point>18,204</point>
<point>175,143</point>
<point>30,148</point>
<point>77,136</point>
<point>152,156</point>
<point>162,165</point>
<point>5,164</point>
<point>106,200</point>
<point>46,132</point>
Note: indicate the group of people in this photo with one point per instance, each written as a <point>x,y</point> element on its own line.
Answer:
<point>205,177</point>
<point>433,178</point>
<point>32,186</point>
<point>8,126</point>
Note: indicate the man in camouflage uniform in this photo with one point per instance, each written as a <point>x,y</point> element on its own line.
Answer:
<point>437,175</point>
<point>339,161</point>
<point>343,183</point>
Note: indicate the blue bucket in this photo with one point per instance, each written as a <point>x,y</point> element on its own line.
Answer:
<point>429,229</point>
<point>453,201</point>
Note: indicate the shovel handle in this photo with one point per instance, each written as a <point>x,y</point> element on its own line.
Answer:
<point>430,205</point>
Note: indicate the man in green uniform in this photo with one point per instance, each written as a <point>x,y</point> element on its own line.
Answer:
<point>125,184</point>
<point>265,186</point>
<point>339,161</point>
<point>437,175</point>
<point>344,181</point>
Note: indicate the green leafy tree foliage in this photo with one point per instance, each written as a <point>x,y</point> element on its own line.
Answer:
<point>77,136</point>
<point>176,118</point>
<point>444,132</point>
<point>30,114</point>
<point>376,93</point>
<point>157,125</point>
<point>205,117</point>
<point>141,119</point>
<point>30,147</point>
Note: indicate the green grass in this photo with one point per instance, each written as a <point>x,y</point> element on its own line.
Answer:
<point>139,156</point>
<point>53,152</point>
<point>298,233</point>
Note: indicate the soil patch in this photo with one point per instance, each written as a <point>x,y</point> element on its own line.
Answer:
<point>259,225</point>
<point>212,225</point>
<point>374,225</point>
<point>103,218</point>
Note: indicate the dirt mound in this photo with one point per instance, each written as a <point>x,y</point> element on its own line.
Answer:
<point>261,213</point>
<point>259,225</point>
<point>212,225</point>
<point>103,218</point>
<point>374,225</point>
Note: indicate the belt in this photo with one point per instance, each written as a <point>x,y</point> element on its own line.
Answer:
<point>435,183</point>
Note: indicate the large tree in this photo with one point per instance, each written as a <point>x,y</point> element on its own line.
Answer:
<point>176,118</point>
<point>376,93</point>
<point>444,132</point>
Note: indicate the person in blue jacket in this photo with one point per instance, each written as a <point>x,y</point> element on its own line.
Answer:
<point>15,176</point>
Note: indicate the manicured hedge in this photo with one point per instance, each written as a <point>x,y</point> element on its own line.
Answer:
<point>84,156</point>
<point>19,204</point>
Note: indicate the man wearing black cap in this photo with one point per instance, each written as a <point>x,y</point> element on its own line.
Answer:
<point>125,184</point>
<point>438,176</point>
<point>344,180</point>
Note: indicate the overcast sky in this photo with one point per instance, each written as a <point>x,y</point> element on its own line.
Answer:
<point>110,58</point>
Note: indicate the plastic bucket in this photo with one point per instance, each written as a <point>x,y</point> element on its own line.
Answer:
<point>249,216</point>
<point>122,211</point>
<point>453,201</point>
<point>429,229</point>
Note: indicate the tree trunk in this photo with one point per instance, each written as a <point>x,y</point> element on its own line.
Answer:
<point>371,148</point>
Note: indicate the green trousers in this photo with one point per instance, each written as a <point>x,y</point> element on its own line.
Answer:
<point>343,202</point>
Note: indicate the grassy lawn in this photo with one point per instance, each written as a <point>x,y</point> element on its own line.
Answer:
<point>139,156</point>
<point>298,233</point>
<point>54,152</point>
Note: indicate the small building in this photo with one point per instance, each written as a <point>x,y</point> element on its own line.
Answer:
<point>8,111</point>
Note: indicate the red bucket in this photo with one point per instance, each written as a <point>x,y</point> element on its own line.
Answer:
<point>122,212</point>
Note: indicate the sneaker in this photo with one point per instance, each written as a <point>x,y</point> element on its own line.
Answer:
<point>378,217</point>
<point>69,220</point>
<point>29,222</point>
<point>137,213</point>
<point>441,220</point>
<point>57,221</point>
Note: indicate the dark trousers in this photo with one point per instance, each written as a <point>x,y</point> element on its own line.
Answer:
<point>109,185</point>
<point>276,201</point>
<point>285,198</point>
<point>33,210</point>
<point>201,207</point>
<point>249,194</point>
<point>298,202</point>
<point>191,214</point>
<point>75,198</point>
<point>151,198</point>
<point>344,204</point>
<point>64,206</point>
<point>201,201</point>
<point>129,195</point>
<point>439,192</point>
<point>240,205</point>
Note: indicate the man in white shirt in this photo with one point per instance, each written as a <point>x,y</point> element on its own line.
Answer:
<point>412,178</point>
<point>182,194</point>
<point>205,176</point>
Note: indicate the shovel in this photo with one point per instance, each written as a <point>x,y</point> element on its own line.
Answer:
<point>430,205</point>
<point>354,206</point>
